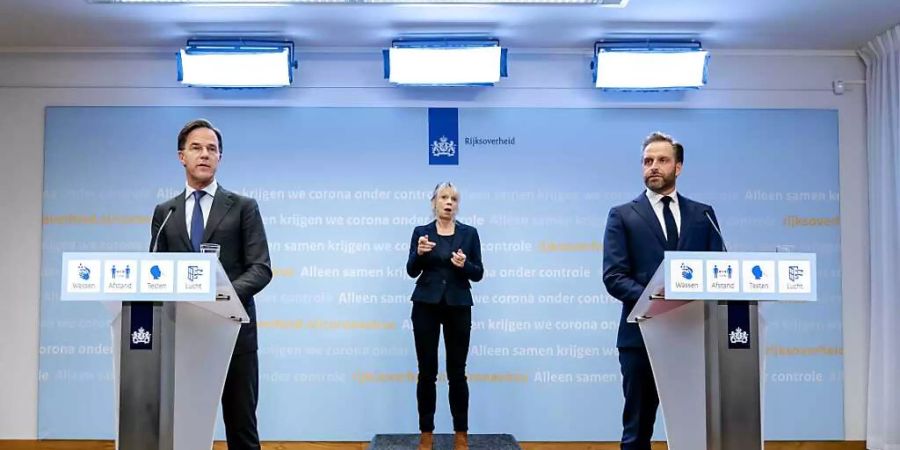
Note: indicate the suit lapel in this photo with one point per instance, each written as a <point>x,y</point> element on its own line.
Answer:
<point>457,238</point>
<point>431,230</point>
<point>221,205</point>
<point>686,209</point>
<point>180,222</point>
<point>641,205</point>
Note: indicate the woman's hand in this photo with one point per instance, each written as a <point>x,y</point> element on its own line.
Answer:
<point>424,245</point>
<point>458,258</point>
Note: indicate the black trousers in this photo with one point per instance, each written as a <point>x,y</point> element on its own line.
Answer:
<point>427,320</point>
<point>641,399</point>
<point>239,399</point>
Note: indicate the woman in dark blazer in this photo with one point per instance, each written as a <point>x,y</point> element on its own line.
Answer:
<point>445,255</point>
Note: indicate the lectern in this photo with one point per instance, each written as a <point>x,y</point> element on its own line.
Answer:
<point>175,320</point>
<point>701,325</point>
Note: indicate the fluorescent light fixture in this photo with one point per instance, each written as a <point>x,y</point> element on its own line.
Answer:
<point>236,63</point>
<point>603,3</point>
<point>649,66</point>
<point>445,62</point>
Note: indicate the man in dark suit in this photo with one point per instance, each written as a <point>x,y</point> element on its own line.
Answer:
<point>637,235</point>
<point>207,213</point>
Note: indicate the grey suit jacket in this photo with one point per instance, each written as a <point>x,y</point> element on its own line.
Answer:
<point>235,224</point>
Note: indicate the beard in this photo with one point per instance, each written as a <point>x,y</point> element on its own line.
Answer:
<point>661,183</point>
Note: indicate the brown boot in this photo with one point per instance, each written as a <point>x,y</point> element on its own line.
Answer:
<point>461,441</point>
<point>426,440</point>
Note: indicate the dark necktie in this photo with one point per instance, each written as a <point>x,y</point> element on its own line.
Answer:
<point>671,228</point>
<point>197,222</point>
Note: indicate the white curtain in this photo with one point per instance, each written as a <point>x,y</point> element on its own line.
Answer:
<point>882,58</point>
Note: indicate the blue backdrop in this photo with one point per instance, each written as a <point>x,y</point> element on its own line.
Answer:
<point>340,190</point>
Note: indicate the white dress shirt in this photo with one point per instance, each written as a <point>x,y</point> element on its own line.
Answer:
<point>205,203</point>
<point>658,205</point>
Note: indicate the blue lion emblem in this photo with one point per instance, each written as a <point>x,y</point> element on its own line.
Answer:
<point>155,272</point>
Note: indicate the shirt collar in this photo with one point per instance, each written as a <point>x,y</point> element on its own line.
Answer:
<point>657,198</point>
<point>210,189</point>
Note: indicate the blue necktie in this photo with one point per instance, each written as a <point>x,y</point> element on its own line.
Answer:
<point>671,228</point>
<point>197,222</point>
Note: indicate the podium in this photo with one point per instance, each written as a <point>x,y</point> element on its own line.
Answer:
<point>176,318</point>
<point>699,317</point>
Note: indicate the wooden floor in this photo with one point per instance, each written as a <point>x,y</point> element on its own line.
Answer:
<point>108,445</point>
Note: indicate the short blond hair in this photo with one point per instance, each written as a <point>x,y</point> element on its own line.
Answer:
<point>440,187</point>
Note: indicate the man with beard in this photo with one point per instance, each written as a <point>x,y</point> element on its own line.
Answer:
<point>637,235</point>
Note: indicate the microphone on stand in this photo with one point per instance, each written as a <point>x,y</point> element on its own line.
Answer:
<point>715,227</point>
<point>159,231</point>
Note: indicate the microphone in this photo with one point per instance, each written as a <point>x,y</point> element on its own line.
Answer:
<point>715,227</point>
<point>161,226</point>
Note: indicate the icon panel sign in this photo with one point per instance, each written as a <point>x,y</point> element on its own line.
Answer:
<point>686,275</point>
<point>193,276</point>
<point>759,276</point>
<point>157,277</point>
<point>83,276</point>
<point>139,277</point>
<point>120,276</point>
<point>723,275</point>
<point>794,277</point>
<point>752,276</point>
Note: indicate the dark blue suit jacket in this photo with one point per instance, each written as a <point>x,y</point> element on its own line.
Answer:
<point>634,246</point>
<point>439,278</point>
